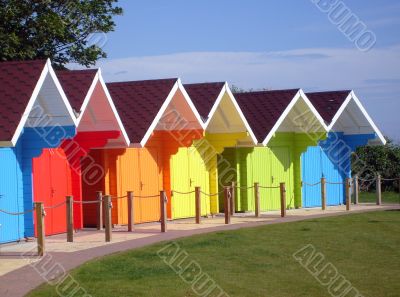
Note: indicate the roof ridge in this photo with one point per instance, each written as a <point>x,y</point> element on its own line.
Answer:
<point>142,81</point>
<point>269,91</point>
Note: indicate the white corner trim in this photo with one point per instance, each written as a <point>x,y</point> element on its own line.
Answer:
<point>314,110</point>
<point>215,107</point>
<point>164,106</point>
<point>300,94</point>
<point>62,93</point>
<point>88,97</point>
<point>369,119</point>
<point>240,112</point>
<point>114,109</point>
<point>47,69</point>
<point>191,104</point>
<point>340,111</point>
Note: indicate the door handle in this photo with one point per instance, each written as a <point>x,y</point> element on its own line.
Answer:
<point>272,180</point>
<point>190,182</point>
<point>141,185</point>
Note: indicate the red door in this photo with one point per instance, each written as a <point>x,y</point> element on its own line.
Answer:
<point>51,184</point>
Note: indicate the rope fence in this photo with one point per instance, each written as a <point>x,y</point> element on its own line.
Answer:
<point>17,213</point>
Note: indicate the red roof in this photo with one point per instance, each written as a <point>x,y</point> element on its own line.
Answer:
<point>138,103</point>
<point>204,96</point>
<point>76,85</point>
<point>17,82</point>
<point>263,109</point>
<point>328,103</point>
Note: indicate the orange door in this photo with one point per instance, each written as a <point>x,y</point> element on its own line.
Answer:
<point>150,183</point>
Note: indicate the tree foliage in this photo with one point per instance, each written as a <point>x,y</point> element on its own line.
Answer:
<point>383,159</point>
<point>57,29</point>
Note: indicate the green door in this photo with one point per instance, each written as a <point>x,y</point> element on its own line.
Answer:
<point>281,171</point>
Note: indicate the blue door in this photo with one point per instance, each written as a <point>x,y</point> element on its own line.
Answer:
<point>11,226</point>
<point>311,162</point>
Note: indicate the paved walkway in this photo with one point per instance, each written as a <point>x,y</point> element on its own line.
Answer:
<point>21,270</point>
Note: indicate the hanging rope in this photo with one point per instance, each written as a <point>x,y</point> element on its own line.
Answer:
<point>181,193</point>
<point>150,196</point>
<point>117,198</point>
<point>367,180</point>
<point>335,183</point>
<point>55,206</point>
<point>212,195</point>
<point>16,213</point>
<point>311,185</point>
<point>262,187</point>
<point>87,202</point>
<point>244,188</point>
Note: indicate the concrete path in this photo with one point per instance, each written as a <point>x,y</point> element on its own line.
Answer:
<point>21,270</point>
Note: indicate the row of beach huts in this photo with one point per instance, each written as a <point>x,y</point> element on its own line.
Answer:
<point>68,133</point>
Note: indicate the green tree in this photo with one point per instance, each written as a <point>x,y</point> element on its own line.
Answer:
<point>61,30</point>
<point>381,159</point>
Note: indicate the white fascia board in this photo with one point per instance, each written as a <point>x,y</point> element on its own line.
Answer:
<point>340,111</point>
<point>163,108</point>
<point>87,99</point>
<point>62,93</point>
<point>191,104</point>
<point>215,107</point>
<point>300,94</point>
<point>314,110</point>
<point>239,110</point>
<point>29,107</point>
<point>114,109</point>
<point>369,119</point>
<point>48,69</point>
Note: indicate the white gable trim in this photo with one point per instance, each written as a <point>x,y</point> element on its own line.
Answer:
<point>299,94</point>
<point>177,86</point>
<point>114,109</point>
<point>352,96</point>
<point>48,69</point>
<point>237,107</point>
<point>88,96</point>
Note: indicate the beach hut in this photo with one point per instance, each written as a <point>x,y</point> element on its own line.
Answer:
<point>59,172</point>
<point>225,126</point>
<point>161,122</point>
<point>285,123</point>
<point>35,114</point>
<point>350,126</point>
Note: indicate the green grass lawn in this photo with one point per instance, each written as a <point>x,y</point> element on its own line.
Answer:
<point>387,197</point>
<point>365,249</point>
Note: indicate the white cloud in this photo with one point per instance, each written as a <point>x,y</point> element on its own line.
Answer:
<point>311,69</point>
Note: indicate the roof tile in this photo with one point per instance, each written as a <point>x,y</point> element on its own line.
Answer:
<point>263,109</point>
<point>17,83</point>
<point>138,103</point>
<point>328,103</point>
<point>76,85</point>
<point>204,96</point>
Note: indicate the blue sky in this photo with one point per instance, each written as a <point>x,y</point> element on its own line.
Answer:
<point>261,44</point>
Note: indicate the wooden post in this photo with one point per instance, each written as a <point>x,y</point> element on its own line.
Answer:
<point>356,189</point>
<point>323,193</point>
<point>233,198</point>
<point>283,199</point>
<point>70,219</point>
<point>163,210</point>
<point>99,205</point>
<point>197,204</point>
<point>227,210</point>
<point>131,211</point>
<point>39,209</point>
<point>107,217</point>
<point>378,190</point>
<point>348,197</point>
<point>256,200</point>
